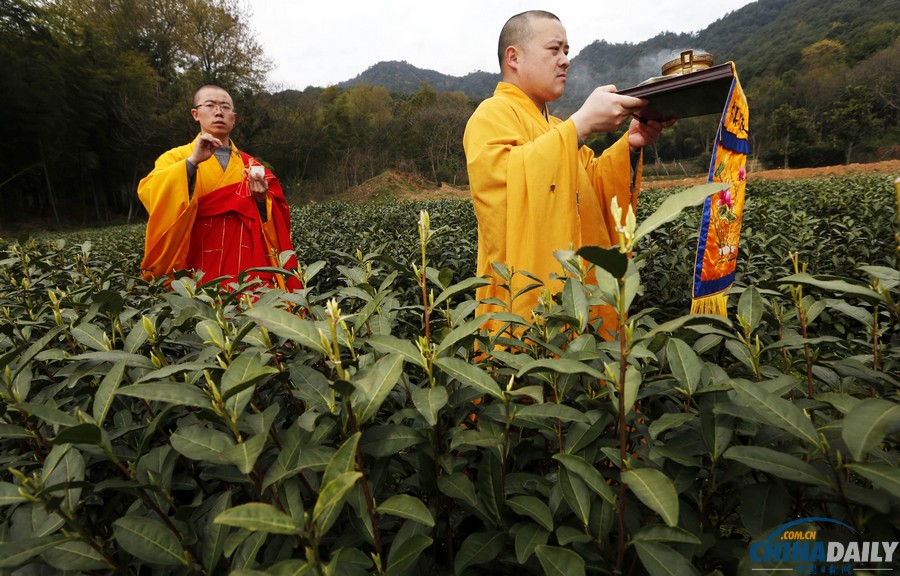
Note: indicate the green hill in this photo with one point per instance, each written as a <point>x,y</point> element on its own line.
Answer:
<point>765,39</point>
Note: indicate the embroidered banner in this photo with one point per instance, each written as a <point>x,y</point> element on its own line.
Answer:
<point>720,228</point>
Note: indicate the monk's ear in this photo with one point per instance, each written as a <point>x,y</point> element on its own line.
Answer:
<point>511,57</point>
<point>195,115</point>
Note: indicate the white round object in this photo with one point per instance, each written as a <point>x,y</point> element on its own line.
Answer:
<point>257,172</point>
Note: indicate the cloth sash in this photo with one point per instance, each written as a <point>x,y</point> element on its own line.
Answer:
<point>720,227</point>
<point>231,199</point>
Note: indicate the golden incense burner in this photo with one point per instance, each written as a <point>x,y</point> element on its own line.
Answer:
<point>686,63</point>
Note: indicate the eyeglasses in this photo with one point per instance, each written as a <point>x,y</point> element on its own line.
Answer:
<point>225,107</point>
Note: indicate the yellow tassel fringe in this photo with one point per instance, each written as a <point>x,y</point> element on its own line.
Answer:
<point>715,304</point>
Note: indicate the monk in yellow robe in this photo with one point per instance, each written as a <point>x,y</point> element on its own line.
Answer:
<point>535,187</point>
<point>214,208</point>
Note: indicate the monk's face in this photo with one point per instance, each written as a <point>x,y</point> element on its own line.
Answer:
<point>543,61</point>
<point>214,111</point>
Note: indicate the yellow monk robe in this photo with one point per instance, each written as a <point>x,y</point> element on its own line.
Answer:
<point>535,191</point>
<point>218,229</point>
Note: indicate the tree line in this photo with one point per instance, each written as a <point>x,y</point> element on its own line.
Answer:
<point>94,90</point>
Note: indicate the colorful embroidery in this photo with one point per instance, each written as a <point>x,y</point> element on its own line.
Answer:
<point>720,229</point>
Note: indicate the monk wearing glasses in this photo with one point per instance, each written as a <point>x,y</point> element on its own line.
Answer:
<point>213,207</point>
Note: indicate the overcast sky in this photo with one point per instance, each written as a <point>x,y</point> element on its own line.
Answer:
<point>323,43</point>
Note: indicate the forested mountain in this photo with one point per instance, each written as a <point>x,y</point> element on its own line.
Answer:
<point>765,38</point>
<point>92,91</point>
<point>406,78</point>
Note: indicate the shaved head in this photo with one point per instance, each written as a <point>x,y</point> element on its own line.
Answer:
<point>517,30</point>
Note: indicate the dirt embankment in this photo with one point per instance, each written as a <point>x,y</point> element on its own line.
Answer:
<point>392,185</point>
<point>887,167</point>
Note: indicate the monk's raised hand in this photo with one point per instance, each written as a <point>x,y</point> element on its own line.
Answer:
<point>204,148</point>
<point>604,111</point>
<point>645,133</point>
<point>259,185</point>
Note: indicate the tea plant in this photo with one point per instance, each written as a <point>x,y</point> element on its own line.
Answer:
<point>367,424</point>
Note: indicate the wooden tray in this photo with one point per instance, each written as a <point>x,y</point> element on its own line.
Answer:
<point>685,95</point>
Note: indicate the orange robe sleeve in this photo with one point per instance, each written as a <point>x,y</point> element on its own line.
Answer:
<point>535,191</point>
<point>164,193</point>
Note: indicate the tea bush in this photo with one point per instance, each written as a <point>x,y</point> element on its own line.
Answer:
<point>356,427</point>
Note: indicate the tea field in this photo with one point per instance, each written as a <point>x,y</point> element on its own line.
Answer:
<point>368,425</point>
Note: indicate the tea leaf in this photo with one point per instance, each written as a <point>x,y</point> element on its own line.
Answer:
<point>404,553</point>
<point>469,375</point>
<point>429,402</point>
<point>75,556</point>
<point>775,410</point>
<point>16,552</point>
<point>490,485</point>
<point>343,460</point>
<point>668,421</point>
<point>776,463</point>
<point>257,517</point>
<point>387,344</point>
<point>388,439</point>
<point>115,356</point>
<point>406,506</point>
<point>165,374</point>
<point>478,548</point>
<point>661,560</point>
<point>246,369</point>
<point>244,454</point>
<point>311,386</point>
<point>591,476</point>
<point>685,364</point>
<point>834,286</point>
<point>212,543</point>
<point>609,259</point>
<point>527,537</point>
<point>9,494</point>
<point>292,567</point>
<point>885,477</point>
<point>81,434</point>
<point>534,508</point>
<point>91,336</point>
<point>458,486</point>
<point>717,429</point>
<point>461,332</point>
<point>540,414</point>
<point>288,326</point>
<point>177,394</point>
<point>106,393</point>
<point>13,431</point>
<point>469,284</point>
<point>149,540</point>
<point>632,386</point>
<point>576,495</point>
<point>773,504</point>
<point>751,307</point>
<point>559,366</point>
<point>199,442</point>
<point>331,499</point>
<point>655,490</point>
<point>566,535</point>
<point>373,386</point>
<point>660,533</point>
<point>558,561</point>
<point>48,414</point>
<point>346,562</point>
<point>867,423</point>
<point>673,205</point>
